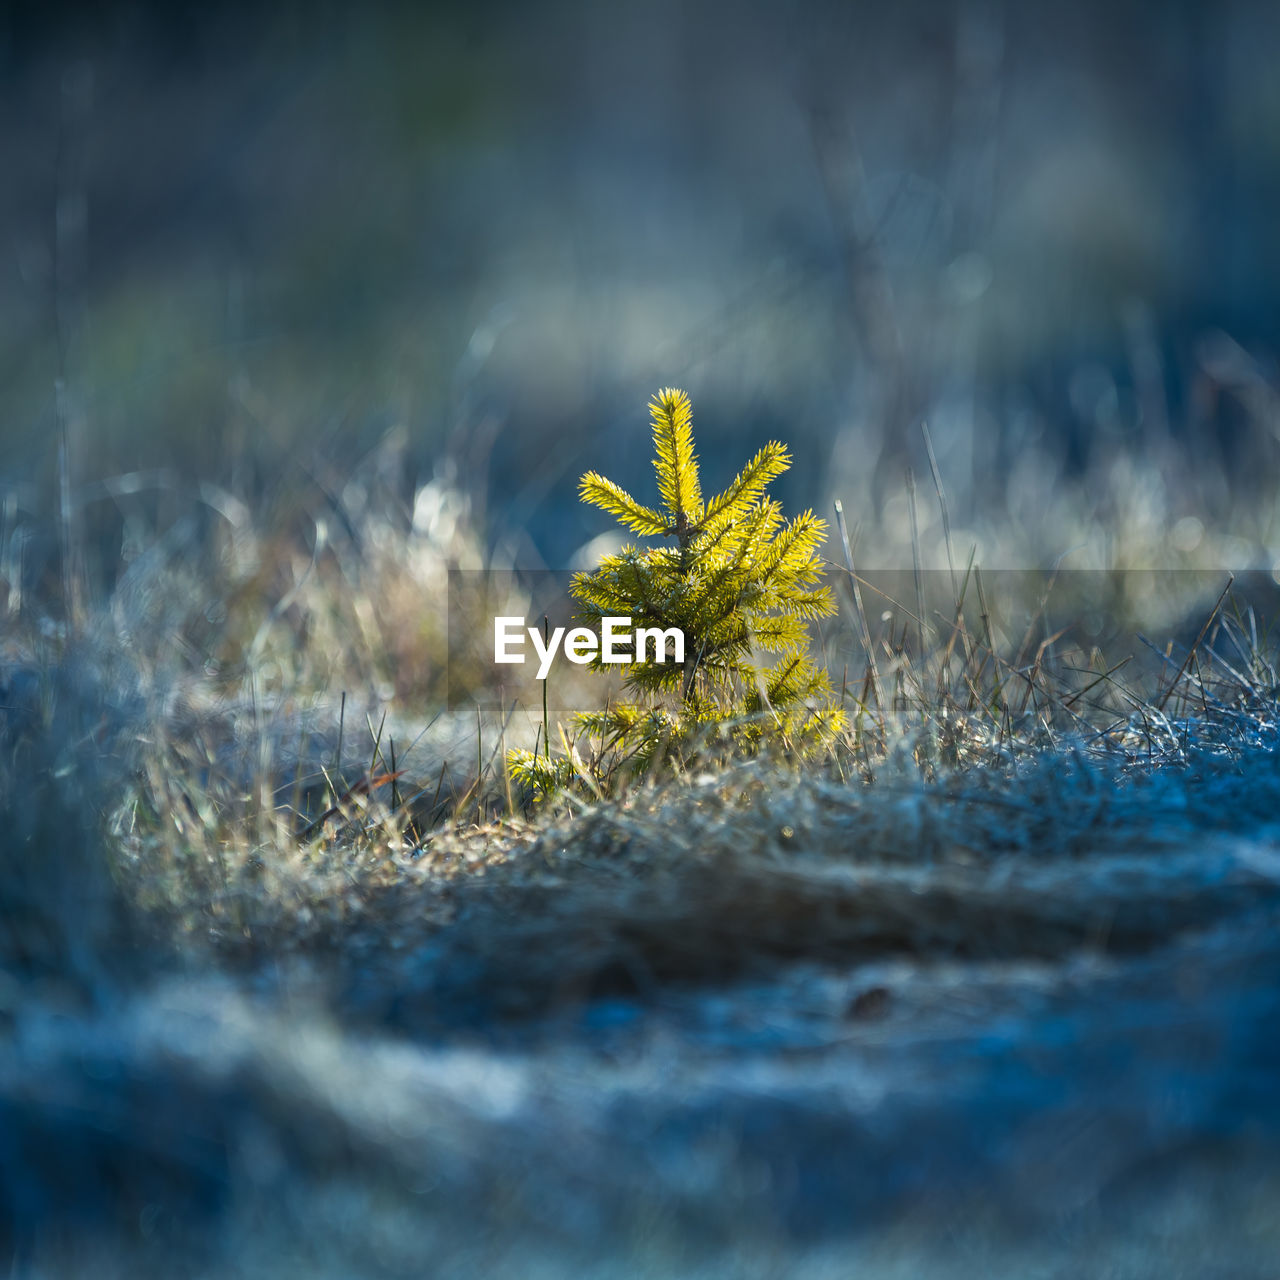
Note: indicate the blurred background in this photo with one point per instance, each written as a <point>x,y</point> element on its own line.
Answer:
<point>269,267</point>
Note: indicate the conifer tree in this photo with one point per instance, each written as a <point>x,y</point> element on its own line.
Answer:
<point>740,582</point>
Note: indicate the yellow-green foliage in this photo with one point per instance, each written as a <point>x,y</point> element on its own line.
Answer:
<point>740,581</point>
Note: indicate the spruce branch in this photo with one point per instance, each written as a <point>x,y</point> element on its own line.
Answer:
<point>676,463</point>
<point>747,487</point>
<point>603,493</point>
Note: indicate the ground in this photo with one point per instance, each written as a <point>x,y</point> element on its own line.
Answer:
<point>1016,1017</point>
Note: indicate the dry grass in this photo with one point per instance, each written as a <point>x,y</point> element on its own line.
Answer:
<point>1011,792</point>
<point>275,950</point>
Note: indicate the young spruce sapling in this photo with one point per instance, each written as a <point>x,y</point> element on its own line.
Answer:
<point>742,584</point>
